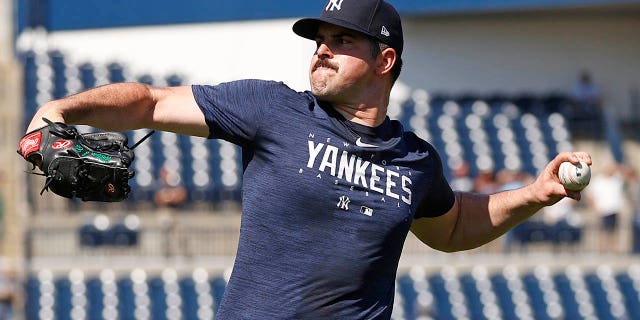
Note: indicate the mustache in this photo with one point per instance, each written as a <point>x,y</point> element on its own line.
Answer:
<point>323,63</point>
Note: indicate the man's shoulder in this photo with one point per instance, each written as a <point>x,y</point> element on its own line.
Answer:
<point>255,86</point>
<point>412,138</point>
<point>418,146</point>
<point>267,93</point>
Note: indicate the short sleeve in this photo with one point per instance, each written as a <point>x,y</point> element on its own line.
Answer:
<point>439,196</point>
<point>235,110</point>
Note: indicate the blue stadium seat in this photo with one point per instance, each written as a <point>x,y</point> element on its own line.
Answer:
<point>442,304</point>
<point>564,233</point>
<point>495,101</point>
<point>158,298</point>
<point>58,66</point>
<point>30,85</point>
<point>203,182</point>
<point>504,296</point>
<point>189,298</point>
<point>630,289</point>
<point>218,285</point>
<point>95,298</point>
<point>143,183</point>
<point>466,100</point>
<point>115,73</point>
<point>567,296</point>
<point>555,102</point>
<point>121,235</point>
<point>536,296</point>
<point>87,75</point>
<point>409,295</point>
<point>32,298</point>
<point>146,79</point>
<point>529,103</point>
<point>90,236</point>
<point>174,80</point>
<point>599,297</point>
<point>63,298</point>
<point>472,295</point>
<point>407,111</point>
<point>126,299</point>
<point>531,231</point>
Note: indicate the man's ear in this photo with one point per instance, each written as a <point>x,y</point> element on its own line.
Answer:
<point>386,60</point>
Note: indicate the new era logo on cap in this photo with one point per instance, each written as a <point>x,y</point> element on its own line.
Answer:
<point>385,32</point>
<point>375,18</point>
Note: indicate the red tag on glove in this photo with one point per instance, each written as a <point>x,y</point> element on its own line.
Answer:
<point>30,143</point>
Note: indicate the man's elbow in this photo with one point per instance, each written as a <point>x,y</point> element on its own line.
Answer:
<point>451,248</point>
<point>443,245</point>
<point>450,245</point>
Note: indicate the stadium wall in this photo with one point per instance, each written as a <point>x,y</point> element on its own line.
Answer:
<point>202,53</point>
<point>528,52</point>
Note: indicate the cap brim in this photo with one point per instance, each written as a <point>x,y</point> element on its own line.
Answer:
<point>308,27</point>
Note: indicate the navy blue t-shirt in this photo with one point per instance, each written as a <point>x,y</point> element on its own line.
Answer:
<point>327,203</point>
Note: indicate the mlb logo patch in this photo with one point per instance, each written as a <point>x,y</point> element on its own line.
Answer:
<point>366,211</point>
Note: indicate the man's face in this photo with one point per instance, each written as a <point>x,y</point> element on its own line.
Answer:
<point>342,64</point>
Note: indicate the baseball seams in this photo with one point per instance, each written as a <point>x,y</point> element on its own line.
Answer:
<point>574,177</point>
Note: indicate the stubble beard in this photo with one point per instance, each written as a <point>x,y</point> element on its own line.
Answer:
<point>321,85</point>
<point>323,72</point>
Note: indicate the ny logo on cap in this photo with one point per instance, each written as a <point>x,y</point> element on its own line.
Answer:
<point>334,4</point>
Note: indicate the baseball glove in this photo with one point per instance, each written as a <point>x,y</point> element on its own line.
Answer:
<point>90,166</point>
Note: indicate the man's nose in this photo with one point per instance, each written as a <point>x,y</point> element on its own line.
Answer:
<point>323,51</point>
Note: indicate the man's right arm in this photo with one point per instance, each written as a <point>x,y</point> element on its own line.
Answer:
<point>128,106</point>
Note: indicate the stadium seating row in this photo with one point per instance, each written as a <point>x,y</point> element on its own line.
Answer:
<point>135,296</point>
<point>511,292</point>
<point>492,133</point>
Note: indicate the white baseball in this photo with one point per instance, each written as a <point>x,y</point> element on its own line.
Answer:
<point>574,177</point>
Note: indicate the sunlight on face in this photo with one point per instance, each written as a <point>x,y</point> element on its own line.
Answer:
<point>342,63</point>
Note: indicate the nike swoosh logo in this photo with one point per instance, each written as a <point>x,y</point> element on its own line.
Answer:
<point>359,143</point>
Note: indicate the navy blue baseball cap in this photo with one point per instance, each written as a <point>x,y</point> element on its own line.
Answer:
<point>375,18</point>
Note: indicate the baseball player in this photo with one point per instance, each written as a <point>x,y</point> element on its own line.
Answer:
<point>331,186</point>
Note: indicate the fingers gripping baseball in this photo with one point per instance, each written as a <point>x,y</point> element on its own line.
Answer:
<point>549,185</point>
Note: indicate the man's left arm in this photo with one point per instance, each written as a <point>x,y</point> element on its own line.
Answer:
<point>476,219</point>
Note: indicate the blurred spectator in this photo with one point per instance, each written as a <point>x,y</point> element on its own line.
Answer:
<point>170,192</point>
<point>508,179</point>
<point>562,211</point>
<point>606,196</point>
<point>564,222</point>
<point>633,188</point>
<point>8,291</point>
<point>461,180</point>
<point>485,182</point>
<point>586,95</point>
<point>586,103</point>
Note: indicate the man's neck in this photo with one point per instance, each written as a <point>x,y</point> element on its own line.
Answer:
<point>362,114</point>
